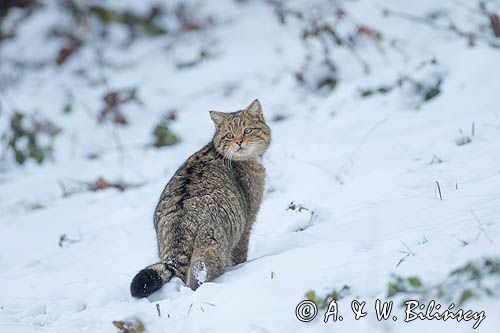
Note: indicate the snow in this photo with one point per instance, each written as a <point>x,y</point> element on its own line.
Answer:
<point>200,272</point>
<point>366,167</point>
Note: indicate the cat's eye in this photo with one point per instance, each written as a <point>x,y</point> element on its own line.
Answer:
<point>248,130</point>
<point>229,136</point>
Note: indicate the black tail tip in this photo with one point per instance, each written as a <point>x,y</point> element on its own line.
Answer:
<point>145,283</point>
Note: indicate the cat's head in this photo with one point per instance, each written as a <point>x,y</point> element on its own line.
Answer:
<point>241,135</point>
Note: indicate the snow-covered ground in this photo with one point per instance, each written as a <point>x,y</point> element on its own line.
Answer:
<point>367,168</point>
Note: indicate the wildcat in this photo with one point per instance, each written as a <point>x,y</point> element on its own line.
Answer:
<point>206,211</point>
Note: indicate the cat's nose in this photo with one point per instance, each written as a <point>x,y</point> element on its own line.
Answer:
<point>239,142</point>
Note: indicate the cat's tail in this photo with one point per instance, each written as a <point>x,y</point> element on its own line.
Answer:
<point>150,279</point>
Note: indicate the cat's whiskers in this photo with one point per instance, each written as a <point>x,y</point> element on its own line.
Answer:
<point>228,156</point>
<point>231,158</point>
<point>225,159</point>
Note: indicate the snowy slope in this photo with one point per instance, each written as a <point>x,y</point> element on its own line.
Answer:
<point>363,165</point>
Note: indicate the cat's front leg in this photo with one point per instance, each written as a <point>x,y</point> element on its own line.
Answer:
<point>240,251</point>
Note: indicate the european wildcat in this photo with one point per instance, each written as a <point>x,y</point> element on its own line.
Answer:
<point>206,211</point>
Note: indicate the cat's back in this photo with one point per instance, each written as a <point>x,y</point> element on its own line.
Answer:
<point>201,180</point>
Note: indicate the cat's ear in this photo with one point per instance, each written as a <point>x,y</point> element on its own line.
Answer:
<point>217,117</point>
<point>254,109</point>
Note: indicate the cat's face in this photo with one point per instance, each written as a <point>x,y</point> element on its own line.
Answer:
<point>243,134</point>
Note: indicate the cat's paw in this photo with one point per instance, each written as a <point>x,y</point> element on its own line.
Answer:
<point>145,283</point>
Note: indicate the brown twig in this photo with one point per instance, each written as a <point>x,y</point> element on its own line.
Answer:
<point>98,185</point>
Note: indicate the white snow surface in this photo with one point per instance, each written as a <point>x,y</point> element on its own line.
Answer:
<point>362,165</point>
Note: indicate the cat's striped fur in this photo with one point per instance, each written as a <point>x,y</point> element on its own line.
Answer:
<point>206,211</point>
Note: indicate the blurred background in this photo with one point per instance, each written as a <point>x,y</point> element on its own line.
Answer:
<point>385,123</point>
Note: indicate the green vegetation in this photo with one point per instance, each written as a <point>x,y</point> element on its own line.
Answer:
<point>130,326</point>
<point>323,302</point>
<point>475,279</point>
<point>163,135</point>
<point>23,138</point>
<point>425,91</point>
